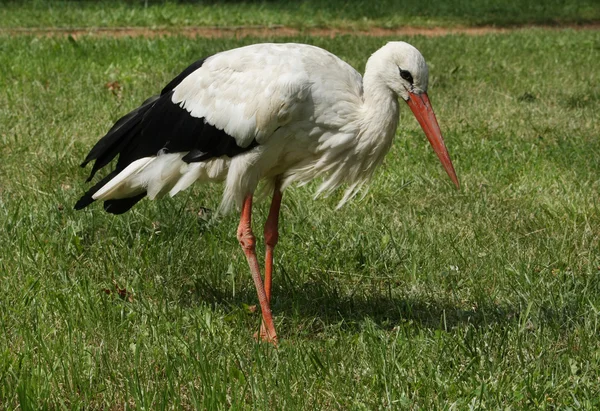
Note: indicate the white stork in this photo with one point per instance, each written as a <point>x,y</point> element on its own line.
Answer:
<point>281,113</point>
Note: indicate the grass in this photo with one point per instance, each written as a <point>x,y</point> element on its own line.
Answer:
<point>417,296</point>
<point>301,14</point>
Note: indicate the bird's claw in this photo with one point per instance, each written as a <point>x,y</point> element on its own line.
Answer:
<point>264,336</point>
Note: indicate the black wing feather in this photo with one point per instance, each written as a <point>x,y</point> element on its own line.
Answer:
<point>87,199</point>
<point>158,125</point>
<point>117,137</point>
<point>122,205</point>
<point>189,70</point>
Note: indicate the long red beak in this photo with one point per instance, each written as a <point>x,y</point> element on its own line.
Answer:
<point>421,108</point>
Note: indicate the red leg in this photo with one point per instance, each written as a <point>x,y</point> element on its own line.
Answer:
<point>271,237</point>
<point>248,243</point>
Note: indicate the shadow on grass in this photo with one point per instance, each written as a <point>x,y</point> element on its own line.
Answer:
<point>314,306</point>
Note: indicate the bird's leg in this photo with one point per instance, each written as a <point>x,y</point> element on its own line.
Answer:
<point>271,237</point>
<point>248,243</point>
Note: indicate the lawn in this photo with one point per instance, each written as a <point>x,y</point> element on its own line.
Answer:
<point>361,14</point>
<point>416,296</point>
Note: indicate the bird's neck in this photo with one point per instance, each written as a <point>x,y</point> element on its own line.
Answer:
<point>372,125</point>
<point>379,115</point>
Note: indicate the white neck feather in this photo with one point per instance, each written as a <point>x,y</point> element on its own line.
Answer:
<point>379,111</point>
<point>372,129</point>
<point>380,103</point>
<point>376,123</point>
<point>379,115</point>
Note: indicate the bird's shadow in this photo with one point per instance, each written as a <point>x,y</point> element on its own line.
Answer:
<point>317,300</point>
<point>314,306</point>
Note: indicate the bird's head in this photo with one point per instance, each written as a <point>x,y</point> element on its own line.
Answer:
<point>405,72</point>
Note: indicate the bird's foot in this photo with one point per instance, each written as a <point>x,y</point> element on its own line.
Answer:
<point>264,336</point>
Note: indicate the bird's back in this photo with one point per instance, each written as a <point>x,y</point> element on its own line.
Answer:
<point>251,91</point>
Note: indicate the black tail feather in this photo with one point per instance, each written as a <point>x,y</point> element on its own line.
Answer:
<point>112,206</point>
<point>106,149</point>
<point>87,199</point>
<point>122,205</point>
<point>117,137</point>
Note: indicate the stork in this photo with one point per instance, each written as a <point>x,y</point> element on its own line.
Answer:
<point>278,113</point>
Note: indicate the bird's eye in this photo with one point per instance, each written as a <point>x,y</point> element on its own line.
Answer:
<point>405,74</point>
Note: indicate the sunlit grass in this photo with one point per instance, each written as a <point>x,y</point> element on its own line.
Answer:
<point>418,295</point>
<point>308,13</point>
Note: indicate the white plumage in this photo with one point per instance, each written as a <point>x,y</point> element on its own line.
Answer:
<point>282,113</point>
<point>303,105</point>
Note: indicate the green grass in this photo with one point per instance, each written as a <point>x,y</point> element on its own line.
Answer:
<point>417,296</point>
<point>302,14</point>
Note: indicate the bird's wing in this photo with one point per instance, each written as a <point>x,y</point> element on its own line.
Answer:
<point>223,105</point>
<point>247,92</point>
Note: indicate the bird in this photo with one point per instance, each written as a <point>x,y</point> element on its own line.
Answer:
<point>276,113</point>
